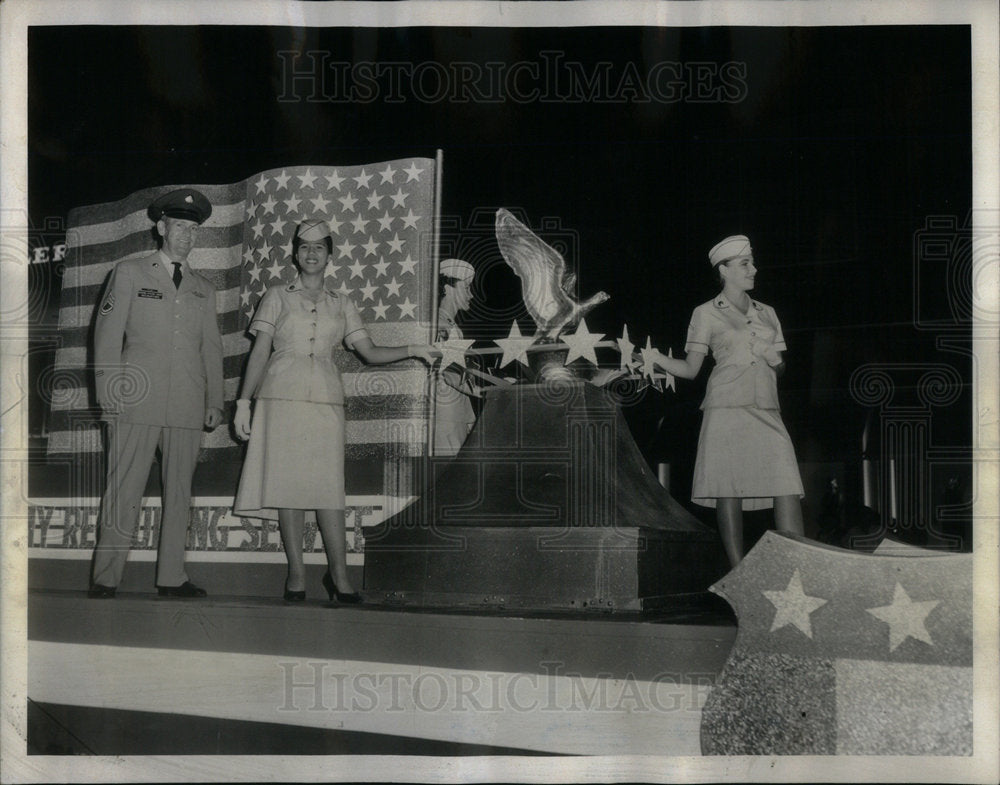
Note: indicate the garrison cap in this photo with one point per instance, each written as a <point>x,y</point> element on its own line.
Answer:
<point>312,230</point>
<point>731,248</point>
<point>458,269</point>
<point>184,203</point>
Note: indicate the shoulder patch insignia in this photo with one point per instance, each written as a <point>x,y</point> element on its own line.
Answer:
<point>108,305</point>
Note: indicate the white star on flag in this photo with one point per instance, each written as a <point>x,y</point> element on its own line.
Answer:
<point>282,179</point>
<point>306,180</point>
<point>905,617</point>
<point>515,346</point>
<point>453,351</point>
<point>412,172</point>
<point>334,180</point>
<point>387,174</point>
<point>363,179</point>
<point>626,347</point>
<point>582,344</point>
<point>793,606</point>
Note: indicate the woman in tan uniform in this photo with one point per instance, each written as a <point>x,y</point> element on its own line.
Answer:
<point>745,459</point>
<point>295,458</point>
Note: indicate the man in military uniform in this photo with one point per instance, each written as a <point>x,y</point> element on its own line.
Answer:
<point>158,374</point>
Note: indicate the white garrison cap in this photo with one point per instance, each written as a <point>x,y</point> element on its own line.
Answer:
<point>732,247</point>
<point>313,229</point>
<point>457,268</point>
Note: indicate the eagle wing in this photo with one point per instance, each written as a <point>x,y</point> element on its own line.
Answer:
<point>539,266</point>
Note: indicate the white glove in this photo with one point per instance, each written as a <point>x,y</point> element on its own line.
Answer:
<point>241,420</point>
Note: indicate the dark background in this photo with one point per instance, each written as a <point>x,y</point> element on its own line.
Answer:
<point>847,142</point>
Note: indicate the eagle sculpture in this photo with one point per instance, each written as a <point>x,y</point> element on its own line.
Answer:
<point>546,286</point>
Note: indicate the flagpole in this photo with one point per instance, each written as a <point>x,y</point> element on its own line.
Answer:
<point>435,266</point>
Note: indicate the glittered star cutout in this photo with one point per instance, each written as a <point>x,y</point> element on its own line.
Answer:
<point>453,351</point>
<point>515,346</point>
<point>648,358</point>
<point>669,378</point>
<point>626,347</point>
<point>905,618</point>
<point>582,344</point>
<point>793,606</point>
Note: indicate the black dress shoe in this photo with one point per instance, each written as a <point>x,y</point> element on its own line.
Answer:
<point>99,592</point>
<point>186,589</point>
<point>353,598</point>
<point>294,596</point>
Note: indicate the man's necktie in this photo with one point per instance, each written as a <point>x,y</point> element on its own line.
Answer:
<point>177,274</point>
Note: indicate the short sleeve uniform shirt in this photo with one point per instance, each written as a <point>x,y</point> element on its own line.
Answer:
<point>304,335</point>
<point>740,378</point>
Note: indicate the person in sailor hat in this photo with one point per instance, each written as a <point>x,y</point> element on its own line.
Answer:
<point>745,459</point>
<point>158,379</point>
<point>454,416</point>
<point>295,455</point>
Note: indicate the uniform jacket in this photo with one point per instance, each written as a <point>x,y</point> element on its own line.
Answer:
<point>741,377</point>
<point>304,335</point>
<point>157,349</point>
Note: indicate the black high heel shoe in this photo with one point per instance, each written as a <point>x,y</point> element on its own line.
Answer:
<point>294,596</point>
<point>353,598</point>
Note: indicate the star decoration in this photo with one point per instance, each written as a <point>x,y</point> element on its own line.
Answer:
<point>670,378</point>
<point>905,618</point>
<point>348,201</point>
<point>410,220</point>
<point>246,298</point>
<point>319,202</point>
<point>369,292</point>
<point>385,222</point>
<point>258,229</point>
<point>357,270</point>
<point>626,347</point>
<point>380,309</point>
<point>261,184</point>
<point>406,308</point>
<point>515,346</point>
<point>412,172</point>
<point>363,179</point>
<point>278,225</point>
<point>275,269</point>
<point>307,179</point>
<point>370,247</point>
<point>387,174</point>
<point>334,179</point>
<point>292,204</point>
<point>581,344</point>
<point>380,267</point>
<point>453,351</point>
<point>793,606</point>
<point>282,179</point>
<point>248,255</point>
<point>254,273</point>
<point>374,200</point>
<point>392,287</point>
<point>395,244</point>
<point>399,198</point>
<point>346,249</point>
<point>286,248</point>
<point>407,265</point>
<point>648,357</point>
<point>359,224</point>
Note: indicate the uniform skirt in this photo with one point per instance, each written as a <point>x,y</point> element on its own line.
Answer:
<point>746,453</point>
<point>295,459</point>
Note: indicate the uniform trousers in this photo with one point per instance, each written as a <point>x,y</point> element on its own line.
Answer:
<point>130,450</point>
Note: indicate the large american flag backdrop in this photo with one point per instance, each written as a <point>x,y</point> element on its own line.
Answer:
<point>382,216</point>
